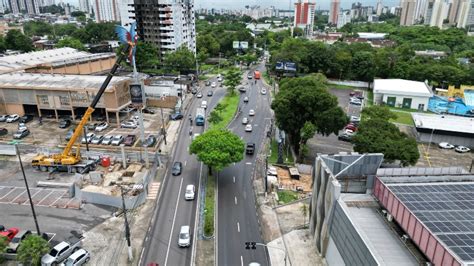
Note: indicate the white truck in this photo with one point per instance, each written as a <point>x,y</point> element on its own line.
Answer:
<point>61,251</point>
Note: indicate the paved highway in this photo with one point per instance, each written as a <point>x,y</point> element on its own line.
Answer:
<point>161,244</point>
<point>237,218</point>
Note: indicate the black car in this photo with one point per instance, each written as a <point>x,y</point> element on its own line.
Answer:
<point>177,168</point>
<point>64,123</point>
<point>91,127</point>
<point>3,131</point>
<point>209,93</point>
<point>26,118</point>
<point>150,141</point>
<point>250,149</point>
<point>176,116</point>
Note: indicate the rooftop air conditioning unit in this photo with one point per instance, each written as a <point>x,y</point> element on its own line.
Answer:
<point>405,238</point>
<point>389,217</point>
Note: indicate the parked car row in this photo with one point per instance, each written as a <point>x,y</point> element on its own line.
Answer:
<point>116,140</point>
<point>457,148</point>
<point>349,130</point>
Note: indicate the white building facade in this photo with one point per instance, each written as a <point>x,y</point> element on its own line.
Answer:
<point>402,93</point>
<point>106,10</point>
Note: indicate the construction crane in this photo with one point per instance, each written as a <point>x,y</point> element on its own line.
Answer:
<point>67,160</point>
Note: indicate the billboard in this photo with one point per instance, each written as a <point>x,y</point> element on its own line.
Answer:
<point>240,45</point>
<point>136,94</point>
<point>279,65</point>
<point>290,66</point>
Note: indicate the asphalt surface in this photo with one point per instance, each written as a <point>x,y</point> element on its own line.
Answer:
<point>172,211</point>
<point>237,214</point>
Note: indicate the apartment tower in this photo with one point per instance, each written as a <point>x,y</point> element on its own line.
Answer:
<point>334,11</point>
<point>304,16</point>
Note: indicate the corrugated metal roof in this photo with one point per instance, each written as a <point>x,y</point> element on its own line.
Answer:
<point>55,81</point>
<point>28,60</point>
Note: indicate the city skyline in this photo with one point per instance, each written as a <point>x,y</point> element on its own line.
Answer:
<point>232,4</point>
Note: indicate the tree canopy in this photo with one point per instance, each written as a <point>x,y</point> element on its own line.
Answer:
<point>377,135</point>
<point>71,42</point>
<point>32,249</point>
<point>18,41</point>
<point>306,99</point>
<point>232,79</point>
<point>182,60</point>
<point>217,148</point>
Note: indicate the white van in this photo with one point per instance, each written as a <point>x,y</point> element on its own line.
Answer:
<point>184,239</point>
<point>204,104</point>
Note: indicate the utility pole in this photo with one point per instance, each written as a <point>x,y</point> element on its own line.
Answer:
<point>163,130</point>
<point>27,189</point>
<point>127,227</point>
<point>85,137</point>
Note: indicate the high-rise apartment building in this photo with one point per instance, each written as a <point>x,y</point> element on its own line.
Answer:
<point>466,14</point>
<point>436,13</point>
<point>334,11</point>
<point>169,24</point>
<point>343,18</point>
<point>304,16</point>
<point>127,12</point>
<point>106,10</point>
<point>407,17</point>
<point>24,6</point>
<point>47,3</point>
<point>420,10</point>
<point>379,8</point>
<point>454,11</point>
<point>85,6</point>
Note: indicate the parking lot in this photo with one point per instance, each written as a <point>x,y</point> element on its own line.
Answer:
<point>48,134</point>
<point>45,197</point>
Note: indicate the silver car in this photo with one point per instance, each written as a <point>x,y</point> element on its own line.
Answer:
<point>79,257</point>
<point>184,238</point>
<point>117,140</point>
<point>107,140</point>
<point>97,139</point>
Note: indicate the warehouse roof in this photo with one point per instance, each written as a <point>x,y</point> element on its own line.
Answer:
<point>54,57</point>
<point>402,87</point>
<point>444,122</point>
<point>55,81</point>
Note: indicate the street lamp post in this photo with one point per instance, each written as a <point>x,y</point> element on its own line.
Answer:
<point>127,227</point>
<point>27,189</point>
<point>163,130</point>
<point>253,245</point>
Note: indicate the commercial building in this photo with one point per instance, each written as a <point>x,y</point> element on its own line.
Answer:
<point>435,128</point>
<point>257,12</point>
<point>407,17</point>
<point>402,93</point>
<point>62,95</point>
<point>361,214</point>
<point>304,16</point>
<point>281,13</point>
<point>169,24</point>
<point>28,6</point>
<point>334,11</point>
<point>106,10</point>
<point>58,61</point>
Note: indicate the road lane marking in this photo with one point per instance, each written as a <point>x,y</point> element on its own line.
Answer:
<point>235,200</point>
<point>233,178</point>
<point>238,227</point>
<point>185,162</point>
<point>241,261</point>
<point>174,219</point>
<point>248,163</point>
<point>196,218</point>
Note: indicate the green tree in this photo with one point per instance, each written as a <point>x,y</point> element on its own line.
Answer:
<point>380,136</point>
<point>232,79</point>
<point>37,28</point>
<point>182,60</point>
<point>3,245</point>
<point>208,44</point>
<point>307,132</point>
<point>78,14</point>
<point>3,45</point>
<point>215,117</point>
<point>32,249</point>
<point>72,43</point>
<point>98,32</point>
<point>146,56</point>
<point>53,9</point>
<point>378,112</point>
<point>18,41</point>
<point>363,66</point>
<point>217,148</point>
<point>306,99</point>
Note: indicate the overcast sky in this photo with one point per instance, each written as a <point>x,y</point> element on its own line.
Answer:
<point>280,4</point>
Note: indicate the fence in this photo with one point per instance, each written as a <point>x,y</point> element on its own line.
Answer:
<point>352,83</point>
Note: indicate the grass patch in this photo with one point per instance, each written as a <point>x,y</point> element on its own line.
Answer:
<point>209,207</point>
<point>286,196</point>
<point>231,102</point>
<point>403,118</point>
<point>370,97</point>
<point>267,78</point>
<point>274,154</point>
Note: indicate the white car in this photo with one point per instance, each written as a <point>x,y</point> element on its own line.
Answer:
<point>97,139</point>
<point>263,91</point>
<point>184,238</point>
<point>213,84</point>
<point>89,138</point>
<point>355,118</point>
<point>189,193</point>
<point>252,112</point>
<point>355,101</point>
<point>248,128</point>
<point>445,145</point>
<point>220,79</point>
<point>462,149</point>
<point>101,127</point>
<point>80,257</point>
<point>245,120</point>
<point>13,118</point>
<point>117,140</point>
<point>196,135</point>
<point>129,124</point>
<point>22,126</point>
<point>199,95</point>
<point>107,140</point>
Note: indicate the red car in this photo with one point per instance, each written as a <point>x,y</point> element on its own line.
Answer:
<point>130,140</point>
<point>351,126</point>
<point>10,233</point>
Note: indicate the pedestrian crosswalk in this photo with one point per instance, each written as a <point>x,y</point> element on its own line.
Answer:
<point>153,190</point>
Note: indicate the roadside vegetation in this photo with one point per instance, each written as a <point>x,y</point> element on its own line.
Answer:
<point>210,203</point>
<point>286,196</point>
<point>287,158</point>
